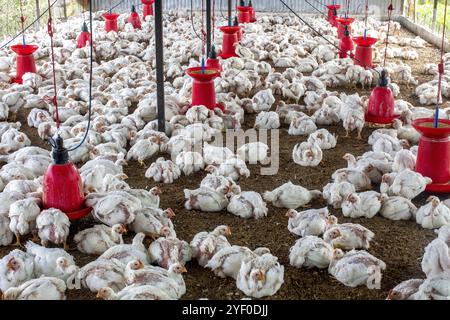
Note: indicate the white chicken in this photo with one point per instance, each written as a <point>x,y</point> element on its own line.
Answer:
<point>347,236</point>
<point>142,150</point>
<point>53,226</point>
<point>190,162</point>
<point>215,155</point>
<point>206,199</point>
<point>263,100</point>
<point>233,168</point>
<point>154,222</point>
<point>166,251</point>
<point>15,268</point>
<point>436,258</point>
<point>43,288</point>
<point>301,126</point>
<point>228,260</point>
<point>309,252</point>
<point>128,252</point>
<point>253,152</point>
<point>365,204</point>
<point>356,268</point>
<point>99,238</point>
<point>247,204</point>
<point>267,120</point>
<point>405,290</point>
<point>408,184</point>
<point>434,214</point>
<point>206,244</point>
<point>22,215</point>
<point>260,277</point>
<point>404,159</point>
<point>102,273</point>
<point>323,138</point>
<point>309,222</point>
<point>307,154</point>
<point>291,196</point>
<point>336,192</point>
<point>164,171</point>
<point>397,208</point>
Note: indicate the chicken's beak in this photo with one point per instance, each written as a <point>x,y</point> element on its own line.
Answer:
<point>170,213</point>
<point>98,296</point>
<point>183,269</point>
<point>228,233</point>
<point>140,265</point>
<point>124,230</point>
<point>389,296</point>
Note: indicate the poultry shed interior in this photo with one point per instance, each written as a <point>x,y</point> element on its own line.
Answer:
<point>222,151</point>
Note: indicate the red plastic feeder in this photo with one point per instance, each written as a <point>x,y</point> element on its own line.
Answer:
<point>203,90</point>
<point>244,14</point>
<point>134,18</point>
<point>342,22</point>
<point>230,37</point>
<point>252,12</point>
<point>111,21</point>
<point>332,14</point>
<point>240,32</point>
<point>212,62</point>
<point>147,7</point>
<point>84,38</point>
<point>433,157</point>
<point>381,103</point>
<point>346,45</point>
<point>25,60</point>
<point>63,188</point>
<point>363,52</point>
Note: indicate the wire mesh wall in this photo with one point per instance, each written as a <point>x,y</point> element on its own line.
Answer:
<point>428,13</point>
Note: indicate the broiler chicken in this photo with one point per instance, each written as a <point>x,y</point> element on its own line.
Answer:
<point>434,214</point>
<point>365,204</point>
<point>53,226</point>
<point>99,238</point>
<point>356,268</point>
<point>166,251</point>
<point>309,252</point>
<point>397,208</point>
<point>128,252</point>
<point>307,154</point>
<point>233,168</point>
<point>15,268</point>
<point>247,204</point>
<point>43,288</point>
<point>347,236</point>
<point>291,196</point>
<point>22,215</point>
<point>205,244</point>
<point>310,222</point>
<point>253,152</point>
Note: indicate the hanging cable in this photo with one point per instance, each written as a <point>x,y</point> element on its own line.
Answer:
<point>192,20</point>
<point>441,69</point>
<point>221,10</point>
<point>322,36</point>
<point>22,22</point>
<point>52,55</point>
<point>28,27</point>
<point>112,8</point>
<point>91,71</point>
<point>213,20</point>
<point>315,8</point>
<point>390,9</point>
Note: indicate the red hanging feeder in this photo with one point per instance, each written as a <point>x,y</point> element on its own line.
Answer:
<point>111,21</point>
<point>244,14</point>
<point>240,32</point>
<point>84,38</point>
<point>25,60</point>
<point>147,7</point>
<point>363,51</point>
<point>213,62</point>
<point>433,156</point>
<point>134,18</point>
<point>346,45</point>
<point>252,12</point>
<point>62,185</point>
<point>381,103</point>
<point>332,13</point>
<point>203,90</point>
<point>230,37</point>
<point>342,23</point>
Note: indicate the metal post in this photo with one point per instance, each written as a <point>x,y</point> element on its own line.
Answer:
<point>65,9</point>
<point>433,23</point>
<point>159,49</point>
<point>230,19</point>
<point>208,27</point>
<point>38,13</point>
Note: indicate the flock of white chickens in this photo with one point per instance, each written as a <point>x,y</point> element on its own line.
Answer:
<point>124,128</point>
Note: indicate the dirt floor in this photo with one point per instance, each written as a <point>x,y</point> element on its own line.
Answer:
<point>400,244</point>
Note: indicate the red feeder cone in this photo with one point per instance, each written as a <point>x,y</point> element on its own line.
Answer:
<point>63,188</point>
<point>332,14</point>
<point>25,60</point>
<point>134,18</point>
<point>111,21</point>
<point>381,103</point>
<point>147,7</point>
<point>230,37</point>
<point>84,37</point>
<point>203,90</point>
<point>433,156</point>
<point>346,45</point>
<point>252,12</point>
<point>244,15</point>
<point>213,62</point>
<point>363,52</point>
<point>342,22</point>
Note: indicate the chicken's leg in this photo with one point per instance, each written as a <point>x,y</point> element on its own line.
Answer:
<point>142,163</point>
<point>346,133</point>
<point>359,137</point>
<point>35,236</point>
<point>17,244</point>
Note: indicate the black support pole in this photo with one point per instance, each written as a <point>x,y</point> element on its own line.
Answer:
<point>230,19</point>
<point>159,48</point>
<point>208,27</point>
